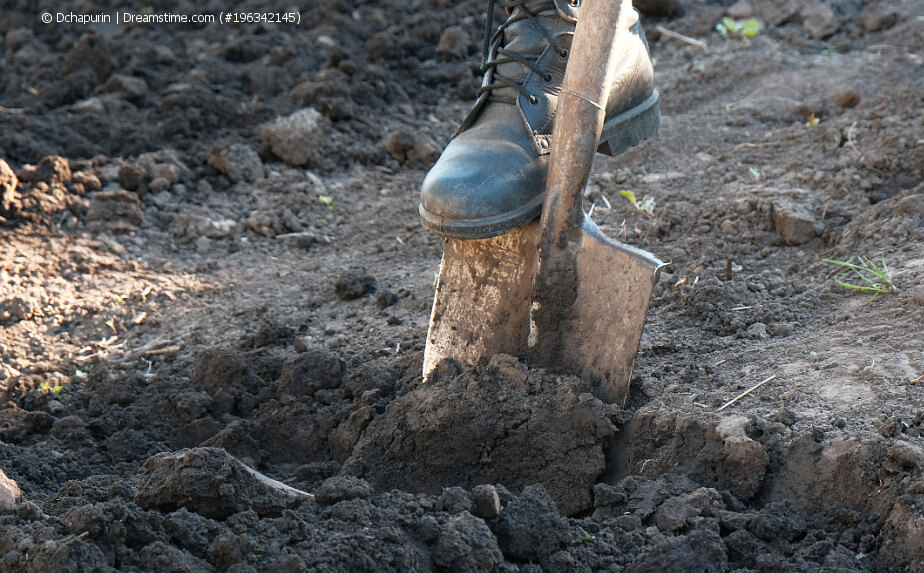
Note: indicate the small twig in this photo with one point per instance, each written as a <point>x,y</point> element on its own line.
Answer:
<point>167,350</point>
<point>152,348</point>
<point>850,141</point>
<point>682,38</point>
<point>293,235</point>
<point>746,392</point>
<point>753,145</point>
<point>12,110</point>
<point>605,201</point>
<point>743,308</point>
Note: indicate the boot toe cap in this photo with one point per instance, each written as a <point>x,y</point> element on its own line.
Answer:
<point>482,190</point>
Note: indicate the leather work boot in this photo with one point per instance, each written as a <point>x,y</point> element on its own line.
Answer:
<point>491,177</point>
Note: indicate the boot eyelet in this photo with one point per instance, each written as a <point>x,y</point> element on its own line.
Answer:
<point>547,78</point>
<point>563,54</point>
<point>533,100</point>
<point>575,3</point>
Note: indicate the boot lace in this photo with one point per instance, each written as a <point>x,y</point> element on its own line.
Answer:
<point>505,56</point>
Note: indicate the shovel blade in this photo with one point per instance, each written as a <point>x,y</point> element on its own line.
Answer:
<point>485,297</point>
<point>601,331</point>
<point>482,300</point>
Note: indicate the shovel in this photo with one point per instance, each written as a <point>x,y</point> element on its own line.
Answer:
<point>556,293</point>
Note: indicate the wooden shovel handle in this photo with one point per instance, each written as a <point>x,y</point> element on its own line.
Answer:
<point>580,115</point>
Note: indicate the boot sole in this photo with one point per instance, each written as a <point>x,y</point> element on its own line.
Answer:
<point>621,132</point>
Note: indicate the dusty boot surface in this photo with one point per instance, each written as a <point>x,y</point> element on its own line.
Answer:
<point>491,177</point>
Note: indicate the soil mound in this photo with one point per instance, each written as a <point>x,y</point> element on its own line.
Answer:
<point>496,423</point>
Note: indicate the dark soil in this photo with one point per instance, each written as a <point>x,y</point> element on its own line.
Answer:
<point>210,261</point>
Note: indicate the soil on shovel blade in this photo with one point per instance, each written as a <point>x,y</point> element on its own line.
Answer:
<point>210,261</point>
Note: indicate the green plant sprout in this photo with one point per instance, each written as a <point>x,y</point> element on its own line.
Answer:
<point>327,200</point>
<point>755,173</point>
<point>743,28</point>
<point>829,51</point>
<point>812,121</point>
<point>646,206</point>
<point>872,279</point>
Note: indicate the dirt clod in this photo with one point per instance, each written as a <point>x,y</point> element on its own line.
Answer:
<point>238,161</point>
<point>530,528</point>
<point>115,210</point>
<point>128,87</point>
<point>794,223</point>
<point>10,493</point>
<point>467,545</point>
<point>8,184</point>
<point>209,482</point>
<point>340,488</point>
<point>354,284</point>
<point>53,169</point>
<point>298,139</point>
<point>847,99</point>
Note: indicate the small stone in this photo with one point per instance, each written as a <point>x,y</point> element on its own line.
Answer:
<point>237,161</point>
<point>794,223</point>
<point>353,284</point>
<point>129,87</point>
<point>847,99</point>
<point>454,43</point>
<point>486,500</point>
<point>10,494</point>
<point>917,294</point>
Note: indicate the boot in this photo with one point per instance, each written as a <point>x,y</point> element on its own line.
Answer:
<point>491,177</point>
